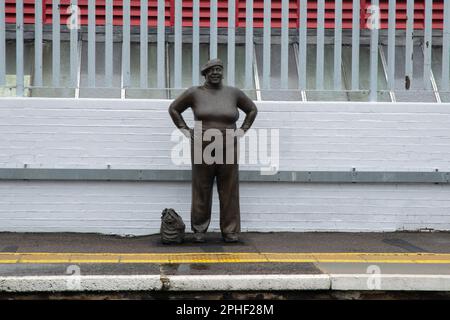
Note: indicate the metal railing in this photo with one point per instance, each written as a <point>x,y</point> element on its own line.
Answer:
<point>302,37</point>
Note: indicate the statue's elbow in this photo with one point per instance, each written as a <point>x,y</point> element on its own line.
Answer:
<point>172,111</point>
<point>255,112</point>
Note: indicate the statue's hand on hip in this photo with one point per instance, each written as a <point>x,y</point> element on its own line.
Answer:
<point>240,132</point>
<point>188,133</point>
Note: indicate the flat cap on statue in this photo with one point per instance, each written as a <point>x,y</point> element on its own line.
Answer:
<point>211,63</point>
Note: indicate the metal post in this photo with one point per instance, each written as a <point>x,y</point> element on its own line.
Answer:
<point>267,43</point>
<point>391,45</point>
<point>91,43</point>
<point>77,87</point>
<point>2,44</point>
<point>337,45</point>
<point>213,30</point>
<point>248,44</point>
<point>144,45</point>
<point>296,53</point>
<point>356,25</point>
<point>37,78</point>
<point>178,44</point>
<point>74,25</point>
<point>231,41</point>
<point>56,56</point>
<point>19,48</point>
<point>109,44</point>
<point>427,44</point>
<point>256,75</point>
<point>302,45</point>
<point>126,45</point>
<point>284,43</point>
<point>409,41</point>
<point>385,73</point>
<point>160,67</point>
<point>320,44</point>
<point>196,43</point>
<point>374,51</point>
<point>446,48</point>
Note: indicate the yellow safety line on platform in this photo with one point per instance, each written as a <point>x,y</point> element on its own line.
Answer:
<point>228,257</point>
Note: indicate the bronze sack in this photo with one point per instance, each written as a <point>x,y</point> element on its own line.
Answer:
<point>172,227</point>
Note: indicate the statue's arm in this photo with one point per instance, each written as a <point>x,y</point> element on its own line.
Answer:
<point>248,106</point>
<point>178,106</point>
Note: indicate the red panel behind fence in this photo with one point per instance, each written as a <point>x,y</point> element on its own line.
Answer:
<point>258,13</point>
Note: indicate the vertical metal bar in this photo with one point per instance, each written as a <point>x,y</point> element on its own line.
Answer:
<point>256,75</point>
<point>427,44</point>
<point>74,25</point>
<point>55,44</point>
<point>122,86</point>
<point>296,54</point>
<point>160,67</point>
<point>91,43</point>
<point>320,44</point>
<point>267,43</point>
<point>355,44</point>
<point>409,41</point>
<point>433,84</point>
<point>178,44</point>
<point>37,78</point>
<point>2,44</point>
<point>77,87</point>
<point>144,45</point>
<point>213,30</point>
<point>196,43</point>
<point>19,48</point>
<point>374,52</point>
<point>391,45</point>
<point>231,41</point>
<point>384,65</point>
<point>446,48</point>
<point>126,45</point>
<point>248,43</point>
<point>167,71</point>
<point>109,44</point>
<point>302,44</point>
<point>337,45</point>
<point>435,87</point>
<point>284,43</point>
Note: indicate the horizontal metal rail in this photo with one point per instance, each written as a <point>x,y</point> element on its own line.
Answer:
<point>435,177</point>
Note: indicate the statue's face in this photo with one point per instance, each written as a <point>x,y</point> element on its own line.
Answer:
<point>214,74</point>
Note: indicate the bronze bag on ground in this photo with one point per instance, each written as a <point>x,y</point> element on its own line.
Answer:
<point>172,227</point>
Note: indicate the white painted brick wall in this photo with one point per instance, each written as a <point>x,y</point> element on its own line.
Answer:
<point>132,134</point>
<point>129,208</point>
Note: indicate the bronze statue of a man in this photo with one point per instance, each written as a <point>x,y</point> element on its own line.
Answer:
<point>215,106</point>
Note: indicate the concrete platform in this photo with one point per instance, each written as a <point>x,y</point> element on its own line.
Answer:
<point>57,262</point>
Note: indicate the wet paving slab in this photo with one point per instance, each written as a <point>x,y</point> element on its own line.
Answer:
<point>436,242</point>
<point>157,269</point>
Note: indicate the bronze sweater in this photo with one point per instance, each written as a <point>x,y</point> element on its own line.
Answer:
<point>216,106</point>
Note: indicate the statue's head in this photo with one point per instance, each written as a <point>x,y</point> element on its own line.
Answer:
<point>213,71</point>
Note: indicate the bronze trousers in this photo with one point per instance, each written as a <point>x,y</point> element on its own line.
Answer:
<point>227,176</point>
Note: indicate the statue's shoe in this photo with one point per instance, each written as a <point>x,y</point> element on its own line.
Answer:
<point>230,237</point>
<point>199,237</point>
